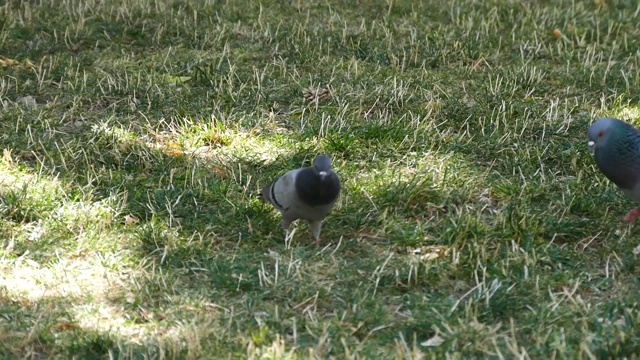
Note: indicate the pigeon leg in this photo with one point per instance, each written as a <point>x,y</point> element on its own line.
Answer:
<point>632,215</point>
<point>315,227</point>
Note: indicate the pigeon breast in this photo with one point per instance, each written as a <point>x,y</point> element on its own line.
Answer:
<point>315,190</point>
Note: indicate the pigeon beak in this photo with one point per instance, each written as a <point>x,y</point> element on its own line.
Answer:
<point>591,146</point>
<point>322,174</point>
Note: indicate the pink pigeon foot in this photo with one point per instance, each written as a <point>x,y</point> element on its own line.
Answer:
<point>632,215</point>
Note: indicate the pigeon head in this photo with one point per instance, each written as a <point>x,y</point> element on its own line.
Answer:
<point>600,132</point>
<point>322,166</point>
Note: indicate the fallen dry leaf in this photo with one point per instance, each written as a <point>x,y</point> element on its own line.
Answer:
<point>28,65</point>
<point>316,95</point>
<point>65,326</point>
<point>5,61</point>
<point>173,148</point>
<point>436,340</point>
<point>220,171</point>
<point>130,220</point>
<point>173,151</point>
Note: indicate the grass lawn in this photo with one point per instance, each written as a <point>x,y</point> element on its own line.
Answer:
<point>473,223</point>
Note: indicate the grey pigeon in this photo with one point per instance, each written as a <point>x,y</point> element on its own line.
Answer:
<point>615,146</point>
<point>307,194</point>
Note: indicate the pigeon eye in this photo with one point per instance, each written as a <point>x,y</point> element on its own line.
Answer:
<point>601,133</point>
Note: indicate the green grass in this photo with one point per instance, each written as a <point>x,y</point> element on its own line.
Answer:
<point>473,222</point>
